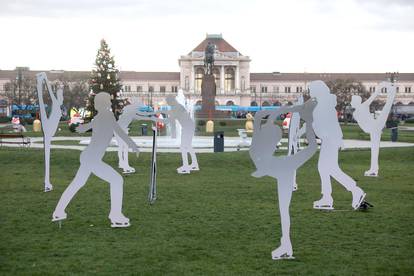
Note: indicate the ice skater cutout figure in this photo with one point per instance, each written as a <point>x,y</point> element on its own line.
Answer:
<point>49,123</point>
<point>371,125</point>
<point>179,113</point>
<point>129,113</point>
<point>295,132</point>
<point>326,127</point>
<point>103,127</point>
<point>283,168</point>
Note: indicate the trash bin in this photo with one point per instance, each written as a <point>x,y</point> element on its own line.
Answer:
<point>218,141</point>
<point>144,130</point>
<point>394,134</point>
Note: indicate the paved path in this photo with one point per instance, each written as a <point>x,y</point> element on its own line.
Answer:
<point>230,144</point>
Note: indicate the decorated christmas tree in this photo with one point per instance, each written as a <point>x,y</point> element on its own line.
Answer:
<point>105,78</point>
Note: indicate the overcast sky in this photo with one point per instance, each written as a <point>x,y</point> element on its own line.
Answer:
<point>150,35</point>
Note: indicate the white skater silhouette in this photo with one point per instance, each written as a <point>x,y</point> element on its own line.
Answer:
<point>129,113</point>
<point>103,127</point>
<point>283,168</point>
<point>49,123</point>
<point>295,132</point>
<point>371,125</point>
<point>179,113</point>
<point>176,127</point>
<point>326,127</point>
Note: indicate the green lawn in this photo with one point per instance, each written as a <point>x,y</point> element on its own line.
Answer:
<point>229,127</point>
<point>217,221</point>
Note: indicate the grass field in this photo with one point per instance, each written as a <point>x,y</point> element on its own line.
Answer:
<point>217,221</point>
<point>229,127</point>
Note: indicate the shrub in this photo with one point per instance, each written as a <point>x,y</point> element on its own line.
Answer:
<point>201,123</point>
<point>222,123</point>
<point>5,120</point>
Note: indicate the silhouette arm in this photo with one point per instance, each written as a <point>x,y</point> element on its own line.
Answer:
<point>372,97</point>
<point>118,130</point>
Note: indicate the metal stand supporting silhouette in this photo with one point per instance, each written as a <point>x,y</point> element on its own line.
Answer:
<point>152,195</point>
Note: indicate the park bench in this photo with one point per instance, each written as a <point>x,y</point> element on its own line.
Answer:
<point>19,139</point>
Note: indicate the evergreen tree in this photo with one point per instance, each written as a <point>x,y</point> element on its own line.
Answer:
<point>105,78</point>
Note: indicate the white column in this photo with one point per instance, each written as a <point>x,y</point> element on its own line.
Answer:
<point>237,79</point>
<point>192,79</point>
<point>222,80</point>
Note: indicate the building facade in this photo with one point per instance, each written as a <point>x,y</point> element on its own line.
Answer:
<point>235,84</point>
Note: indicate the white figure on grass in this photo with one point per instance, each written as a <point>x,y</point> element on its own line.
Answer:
<point>371,125</point>
<point>326,126</point>
<point>265,139</point>
<point>103,127</point>
<point>175,126</point>
<point>49,123</point>
<point>295,132</point>
<point>179,113</point>
<point>129,113</point>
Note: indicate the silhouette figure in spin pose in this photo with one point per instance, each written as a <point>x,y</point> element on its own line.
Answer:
<point>103,127</point>
<point>326,126</point>
<point>49,123</point>
<point>374,126</point>
<point>283,168</point>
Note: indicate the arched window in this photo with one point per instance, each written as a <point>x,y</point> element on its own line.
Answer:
<point>198,79</point>
<point>229,80</point>
<point>253,103</point>
<point>217,103</point>
<point>265,103</point>
<point>229,103</point>
<point>277,103</point>
<point>198,102</point>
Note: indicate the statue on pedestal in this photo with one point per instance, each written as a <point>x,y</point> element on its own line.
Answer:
<point>209,58</point>
<point>208,84</point>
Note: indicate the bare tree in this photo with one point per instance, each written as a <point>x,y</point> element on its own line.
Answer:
<point>344,89</point>
<point>21,91</point>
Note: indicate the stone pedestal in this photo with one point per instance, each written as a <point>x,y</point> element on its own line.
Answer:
<point>208,93</point>
<point>208,98</point>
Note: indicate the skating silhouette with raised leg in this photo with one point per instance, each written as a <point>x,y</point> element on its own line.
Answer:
<point>266,136</point>
<point>49,123</point>
<point>371,124</point>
